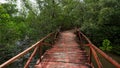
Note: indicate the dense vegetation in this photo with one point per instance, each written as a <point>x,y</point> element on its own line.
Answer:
<point>98,19</point>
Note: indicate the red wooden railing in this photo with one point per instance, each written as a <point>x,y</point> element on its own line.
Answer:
<point>36,47</point>
<point>93,50</point>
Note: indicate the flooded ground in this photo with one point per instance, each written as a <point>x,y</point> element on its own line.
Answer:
<point>105,63</point>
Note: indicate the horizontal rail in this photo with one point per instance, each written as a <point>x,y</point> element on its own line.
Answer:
<point>24,52</point>
<point>101,52</point>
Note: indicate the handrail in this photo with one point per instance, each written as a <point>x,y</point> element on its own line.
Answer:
<point>115,63</point>
<point>24,52</point>
<point>99,64</point>
<point>31,57</point>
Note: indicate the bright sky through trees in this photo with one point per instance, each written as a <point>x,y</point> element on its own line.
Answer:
<point>2,1</point>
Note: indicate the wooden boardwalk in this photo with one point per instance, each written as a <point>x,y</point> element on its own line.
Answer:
<point>66,53</point>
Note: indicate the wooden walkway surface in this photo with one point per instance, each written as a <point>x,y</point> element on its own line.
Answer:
<point>66,53</point>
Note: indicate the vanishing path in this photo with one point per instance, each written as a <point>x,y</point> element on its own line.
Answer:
<point>66,53</point>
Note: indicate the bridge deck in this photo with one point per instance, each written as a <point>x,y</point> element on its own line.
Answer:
<point>66,53</point>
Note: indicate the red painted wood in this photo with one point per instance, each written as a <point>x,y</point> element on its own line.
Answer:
<point>65,54</point>
<point>108,58</point>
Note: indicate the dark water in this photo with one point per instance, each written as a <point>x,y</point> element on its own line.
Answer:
<point>105,63</point>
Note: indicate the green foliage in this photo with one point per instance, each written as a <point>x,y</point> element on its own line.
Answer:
<point>11,30</point>
<point>99,19</point>
<point>116,49</point>
<point>106,45</point>
<point>105,16</point>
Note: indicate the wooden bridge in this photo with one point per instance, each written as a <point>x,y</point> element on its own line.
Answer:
<point>68,51</point>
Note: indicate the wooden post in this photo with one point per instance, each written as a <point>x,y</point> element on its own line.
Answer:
<point>96,58</point>
<point>101,52</point>
<point>23,53</point>
<point>90,55</point>
<point>31,57</point>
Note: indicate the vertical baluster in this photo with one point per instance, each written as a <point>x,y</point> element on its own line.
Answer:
<point>31,57</point>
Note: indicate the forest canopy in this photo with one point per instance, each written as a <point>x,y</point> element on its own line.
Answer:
<point>23,25</point>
